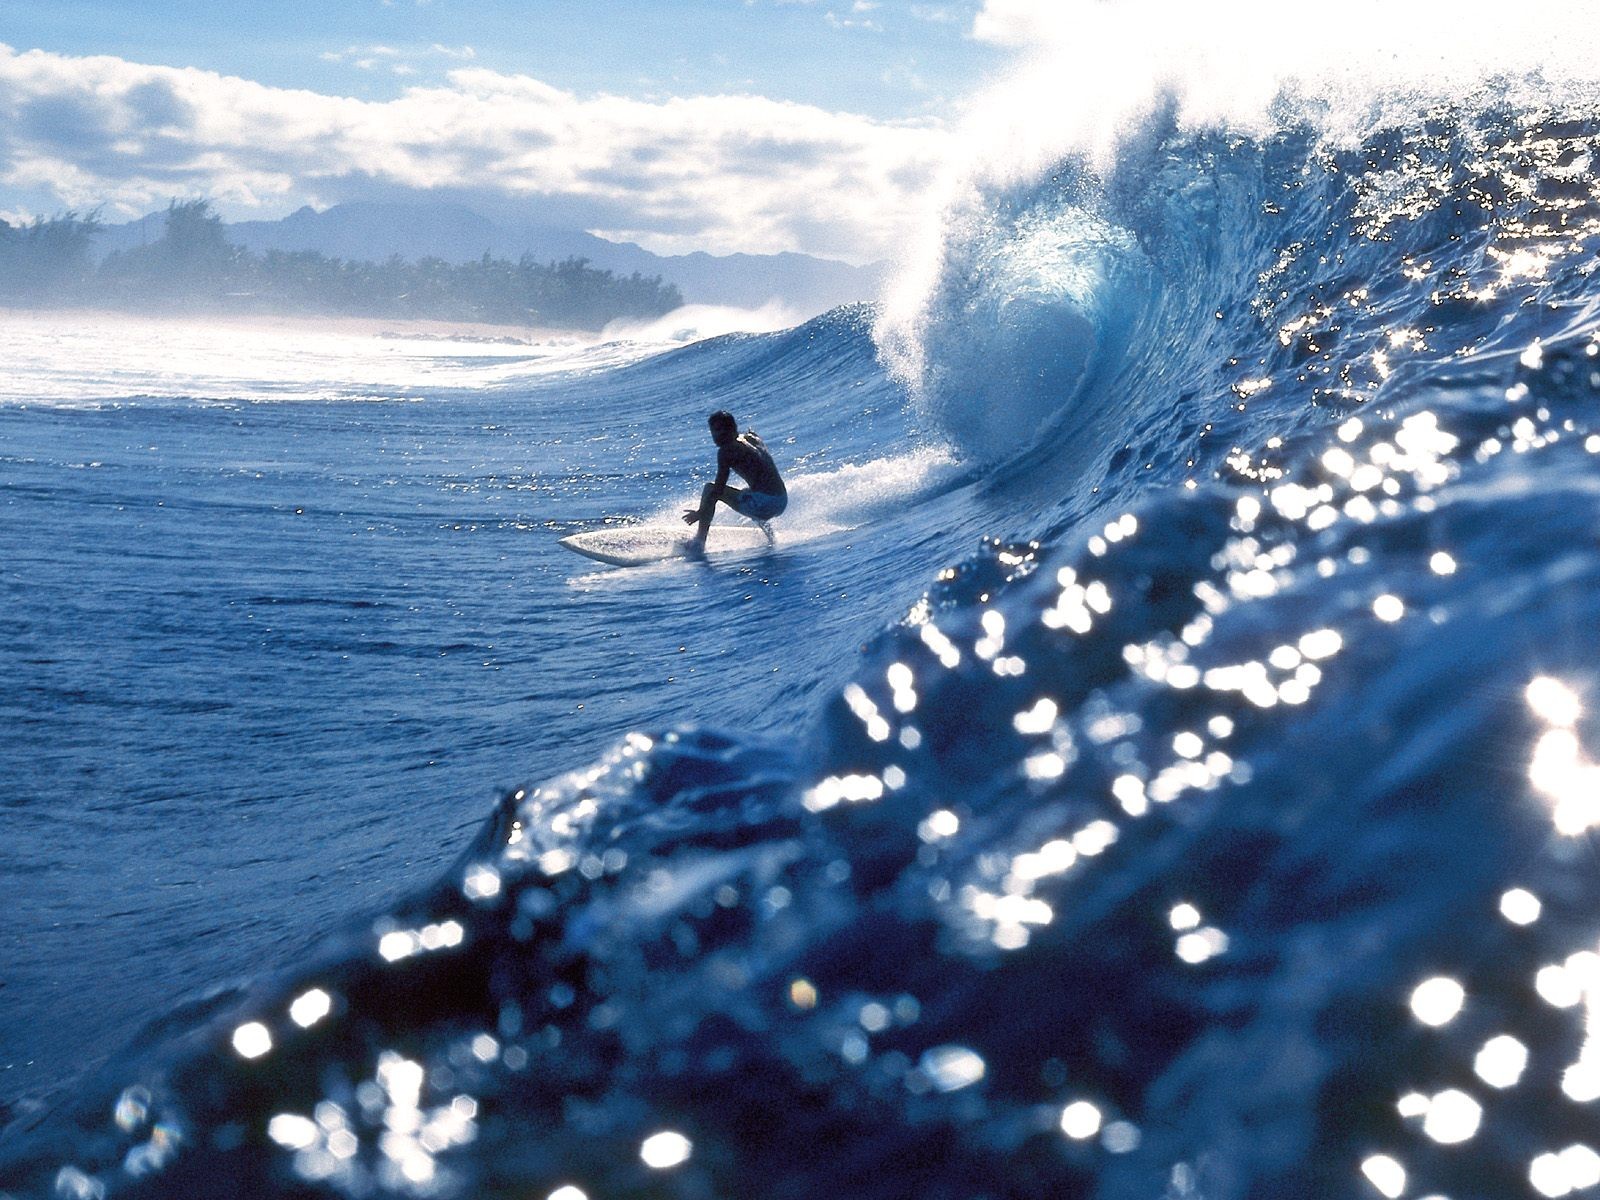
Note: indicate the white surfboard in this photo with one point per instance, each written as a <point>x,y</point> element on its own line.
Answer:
<point>635,545</point>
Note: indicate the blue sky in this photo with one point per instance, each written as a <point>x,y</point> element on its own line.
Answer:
<point>886,59</point>
<point>752,125</point>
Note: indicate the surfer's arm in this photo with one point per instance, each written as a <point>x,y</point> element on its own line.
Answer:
<point>712,494</point>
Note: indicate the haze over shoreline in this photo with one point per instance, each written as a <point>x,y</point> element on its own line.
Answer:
<point>397,260</point>
<point>422,328</point>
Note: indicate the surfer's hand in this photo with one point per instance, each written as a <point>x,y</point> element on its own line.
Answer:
<point>691,515</point>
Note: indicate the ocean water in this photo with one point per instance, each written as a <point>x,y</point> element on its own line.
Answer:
<point>1157,759</point>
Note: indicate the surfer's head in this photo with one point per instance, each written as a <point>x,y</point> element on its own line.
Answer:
<point>723,427</point>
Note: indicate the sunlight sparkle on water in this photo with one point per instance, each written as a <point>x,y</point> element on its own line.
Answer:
<point>1184,916</point>
<point>1052,858</point>
<point>1453,1117</point>
<point>1195,948</point>
<point>1436,1001</point>
<point>1388,608</point>
<point>292,1132</point>
<point>836,788</point>
<point>1080,1120</point>
<point>902,683</point>
<point>1385,1174</point>
<point>1557,987</point>
<point>252,1040</point>
<point>1130,794</point>
<point>1501,1061</point>
<point>951,1068</point>
<point>1037,719</point>
<point>1048,765</point>
<point>132,1109</point>
<point>1574,1169</point>
<point>1554,702</point>
<point>1559,768</point>
<point>1520,906</point>
<point>1412,1104</point>
<point>310,1007</point>
<point>1321,643</point>
<point>482,882</point>
<point>1120,1137</point>
<point>401,1078</point>
<point>665,1149</point>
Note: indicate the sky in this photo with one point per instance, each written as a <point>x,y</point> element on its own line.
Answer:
<point>723,125</point>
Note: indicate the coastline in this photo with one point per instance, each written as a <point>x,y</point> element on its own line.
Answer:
<point>400,328</point>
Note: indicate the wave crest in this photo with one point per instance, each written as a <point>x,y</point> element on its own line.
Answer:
<point>1032,295</point>
<point>1151,142</point>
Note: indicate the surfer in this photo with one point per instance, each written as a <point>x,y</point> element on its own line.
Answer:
<point>747,456</point>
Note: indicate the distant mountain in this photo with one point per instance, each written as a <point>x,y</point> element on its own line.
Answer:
<point>374,232</point>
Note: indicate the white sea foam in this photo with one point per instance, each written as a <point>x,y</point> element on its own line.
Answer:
<point>857,493</point>
<point>72,359</point>
<point>1087,68</point>
<point>696,322</point>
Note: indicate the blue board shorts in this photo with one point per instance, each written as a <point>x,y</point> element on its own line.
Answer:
<point>758,506</point>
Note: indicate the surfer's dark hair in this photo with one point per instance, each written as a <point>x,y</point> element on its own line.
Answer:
<point>723,418</point>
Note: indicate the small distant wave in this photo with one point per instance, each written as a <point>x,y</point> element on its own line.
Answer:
<point>73,359</point>
<point>696,322</point>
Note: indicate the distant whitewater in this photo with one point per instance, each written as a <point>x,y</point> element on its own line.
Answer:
<point>1158,759</point>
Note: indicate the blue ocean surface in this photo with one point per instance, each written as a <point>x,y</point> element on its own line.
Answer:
<point>1156,759</point>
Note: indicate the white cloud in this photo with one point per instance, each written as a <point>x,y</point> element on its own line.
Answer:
<point>835,21</point>
<point>1021,22</point>
<point>723,173</point>
<point>371,58</point>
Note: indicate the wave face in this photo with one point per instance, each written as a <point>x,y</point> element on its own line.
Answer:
<point>1222,831</point>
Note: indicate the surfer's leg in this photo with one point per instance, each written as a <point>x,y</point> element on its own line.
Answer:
<point>730,496</point>
<point>706,509</point>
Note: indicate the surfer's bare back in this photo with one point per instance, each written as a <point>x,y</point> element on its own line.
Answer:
<point>747,456</point>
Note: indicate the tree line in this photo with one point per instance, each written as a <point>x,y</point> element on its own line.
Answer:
<point>192,267</point>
